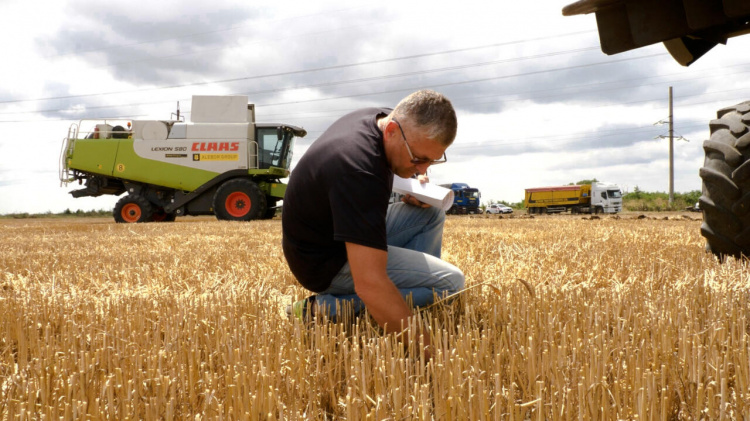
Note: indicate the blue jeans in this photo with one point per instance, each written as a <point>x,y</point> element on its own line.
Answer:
<point>415,237</point>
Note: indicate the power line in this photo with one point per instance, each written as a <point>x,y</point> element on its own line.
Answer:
<point>460,67</point>
<point>465,82</point>
<point>55,120</point>
<point>562,138</point>
<point>573,137</point>
<point>339,111</point>
<point>527,94</point>
<point>419,72</point>
<point>336,67</point>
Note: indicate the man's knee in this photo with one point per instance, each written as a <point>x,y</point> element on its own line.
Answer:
<point>455,279</point>
<point>436,214</point>
<point>402,210</point>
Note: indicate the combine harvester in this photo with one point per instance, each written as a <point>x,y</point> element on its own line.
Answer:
<point>221,163</point>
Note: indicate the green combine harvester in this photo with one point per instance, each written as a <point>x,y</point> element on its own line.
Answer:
<point>220,163</point>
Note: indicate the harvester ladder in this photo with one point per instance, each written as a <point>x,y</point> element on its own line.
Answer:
<point>64,172</point>
<point>252,155</point>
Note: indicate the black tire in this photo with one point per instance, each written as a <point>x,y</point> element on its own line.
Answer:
<point>239,199</point>
<point>726,183</point>
<point>133,208</point>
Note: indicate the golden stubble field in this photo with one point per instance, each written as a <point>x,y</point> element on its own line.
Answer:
<point>623,318</point>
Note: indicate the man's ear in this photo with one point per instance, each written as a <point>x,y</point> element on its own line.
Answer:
<point>390,126</point>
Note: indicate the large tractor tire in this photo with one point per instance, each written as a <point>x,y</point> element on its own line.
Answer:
<point>726,183</point>
<point>133,208</point>
<point>239,199</point>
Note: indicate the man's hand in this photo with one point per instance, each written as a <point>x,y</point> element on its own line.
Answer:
<point>372,284</point>
<point>411,200</point>
<point>382,299</point>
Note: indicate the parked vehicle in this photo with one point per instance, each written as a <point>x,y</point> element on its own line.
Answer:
<point>585,198</point>
<point>221,163</point>
<point>498,208</point>
<point>465,199</point>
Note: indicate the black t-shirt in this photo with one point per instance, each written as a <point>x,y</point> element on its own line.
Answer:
<point>337,193</point>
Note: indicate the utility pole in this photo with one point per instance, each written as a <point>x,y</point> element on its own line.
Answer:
<point>671,147</point>
<point>671,150</point>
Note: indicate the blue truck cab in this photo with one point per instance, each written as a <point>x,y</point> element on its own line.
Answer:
<point>465,199</point>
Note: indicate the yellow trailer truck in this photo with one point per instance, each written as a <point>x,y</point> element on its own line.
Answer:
<point>585,198</point>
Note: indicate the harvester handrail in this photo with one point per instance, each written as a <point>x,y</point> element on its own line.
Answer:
<point>101,120</point>
<point>252,155</point>
<point>64,172</point>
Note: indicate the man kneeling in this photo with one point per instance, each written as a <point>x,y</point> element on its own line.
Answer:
<point>341,238</point>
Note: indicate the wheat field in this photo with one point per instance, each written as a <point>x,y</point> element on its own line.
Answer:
<point>564,318</point>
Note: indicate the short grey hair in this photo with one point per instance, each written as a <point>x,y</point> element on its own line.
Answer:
<point>429,111</point>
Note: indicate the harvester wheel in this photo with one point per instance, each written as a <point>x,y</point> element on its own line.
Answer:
<point>132,208</point>
<point>160,216</point>
<point>239,199</point>
<point>726,183</point>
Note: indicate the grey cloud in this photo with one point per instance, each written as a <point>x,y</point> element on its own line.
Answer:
<point>146,50</point>
<point>580,78</point>
<point>8,95</point>
<point>610,158</point>
<point>612,136</point>
<point>485,89</point>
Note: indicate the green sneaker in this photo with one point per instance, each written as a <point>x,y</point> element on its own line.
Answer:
<point>301,309</point>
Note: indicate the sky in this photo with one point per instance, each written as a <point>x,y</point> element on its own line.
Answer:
<point>538,103</point>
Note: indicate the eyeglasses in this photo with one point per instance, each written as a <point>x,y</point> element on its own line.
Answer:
<point>418,161</point>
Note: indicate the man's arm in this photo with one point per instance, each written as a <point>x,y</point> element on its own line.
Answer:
<point>374,287</point>
<point>381,297</point>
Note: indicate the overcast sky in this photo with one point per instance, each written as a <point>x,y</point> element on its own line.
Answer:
<point>538,103</point>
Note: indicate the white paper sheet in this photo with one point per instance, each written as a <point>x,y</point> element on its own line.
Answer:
<point>431,194</point>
